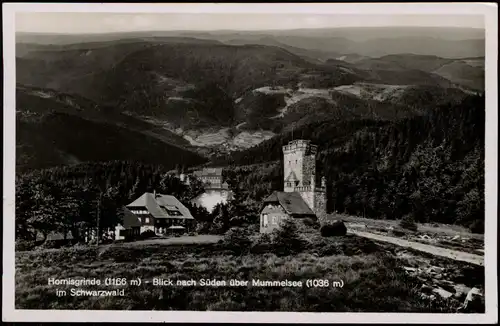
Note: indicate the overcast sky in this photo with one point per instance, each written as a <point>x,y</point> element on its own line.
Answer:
<point>50,22</point>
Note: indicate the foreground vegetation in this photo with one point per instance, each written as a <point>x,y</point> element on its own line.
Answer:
<point>372,279</point>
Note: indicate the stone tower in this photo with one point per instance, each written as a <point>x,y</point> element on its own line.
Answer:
<point>300,175</point>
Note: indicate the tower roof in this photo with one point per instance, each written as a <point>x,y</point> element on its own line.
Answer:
<point>292,177</point>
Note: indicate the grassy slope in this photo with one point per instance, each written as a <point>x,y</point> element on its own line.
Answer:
<point>373,281</point>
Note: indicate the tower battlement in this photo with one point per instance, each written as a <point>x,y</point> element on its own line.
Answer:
<point>300,145</point>
<point>299,160</point>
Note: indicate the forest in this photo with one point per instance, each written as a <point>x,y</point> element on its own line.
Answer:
<point>72,198</point>
<point>429,166</point>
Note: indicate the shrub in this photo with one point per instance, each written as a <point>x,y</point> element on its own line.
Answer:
<point>253,228</point>
<point>25,245</point>
<point>203,227</point>
<point>408,223</point>
<point>330,249</point>
<point>312,223</point>
<point>237,240</point>
<point>147,234</point>
<point>263,244</point>
<point>477,226</point>
<point>286,239</point>
<point>333,229</point>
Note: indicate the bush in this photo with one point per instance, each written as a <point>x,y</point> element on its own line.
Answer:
<point>334,229</point>
<point>330,249</point>
<point>312,223</point>
<point>286,239</point>
<point>147,234</point>
<point>263,244</point>
<point>408,223</point>
<point>237,240</point>
<point>253,228</point>
<point>477,227</point>
<point>25,245</point>
<point>203,227</point>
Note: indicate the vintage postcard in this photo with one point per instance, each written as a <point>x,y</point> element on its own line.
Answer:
<point>250,162</point>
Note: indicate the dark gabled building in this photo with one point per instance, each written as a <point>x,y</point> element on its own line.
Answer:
<point>303,194</point>
<point>158,212</point>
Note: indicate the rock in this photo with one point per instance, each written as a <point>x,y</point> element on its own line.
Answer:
<point>435,270</point>
<point>474,300</point>
<point>410,269</point>
<point>460,290</point>
<point>443,293</point>
<point>455,238</point>
<point>426,289</point>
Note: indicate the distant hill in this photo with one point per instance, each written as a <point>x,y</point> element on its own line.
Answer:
<point>54,129</point>
<point>373,41</point>
<point>468,72</point>
<point>208,97</point>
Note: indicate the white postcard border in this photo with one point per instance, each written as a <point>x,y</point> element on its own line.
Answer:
<point>491,295</point>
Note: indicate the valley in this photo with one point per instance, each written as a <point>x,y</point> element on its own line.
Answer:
<point>190,100</point>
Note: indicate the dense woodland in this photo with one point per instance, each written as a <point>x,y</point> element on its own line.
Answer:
<point>417,150</point>
<point>86,196</point>
<point>429,166</point>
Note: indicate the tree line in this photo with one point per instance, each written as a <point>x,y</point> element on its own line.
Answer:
<point>73,198</point>
<point>430,166</point>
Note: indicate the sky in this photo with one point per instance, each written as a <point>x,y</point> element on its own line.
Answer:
<point>92,22</point>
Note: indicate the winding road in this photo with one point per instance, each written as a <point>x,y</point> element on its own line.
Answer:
<point>437,251</point>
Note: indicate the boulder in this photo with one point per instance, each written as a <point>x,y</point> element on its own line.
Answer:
<point>334,229</point>
<point>474,302</point>
<point>460,290</point>
<point>443,293</point>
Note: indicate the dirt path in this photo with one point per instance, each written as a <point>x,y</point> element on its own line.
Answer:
<point>437,251</point>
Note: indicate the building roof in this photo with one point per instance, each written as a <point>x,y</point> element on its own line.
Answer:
<point>130,219</point>
<point>209,172</point>
<point>291,202</point>
<point>158,206</point>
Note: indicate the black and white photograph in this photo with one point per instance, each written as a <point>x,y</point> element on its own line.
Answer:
<point>254,162</point>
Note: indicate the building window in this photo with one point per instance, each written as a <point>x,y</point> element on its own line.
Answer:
<point>264,220</point>
<point>146,220</point>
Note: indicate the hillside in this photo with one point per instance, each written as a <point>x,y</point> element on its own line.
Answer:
<point>468,73</point>
<point>419,165</point>
<point>214,98</point>
<point>57,129</point>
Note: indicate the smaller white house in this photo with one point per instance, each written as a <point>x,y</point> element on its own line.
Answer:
<point>131,225</point>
